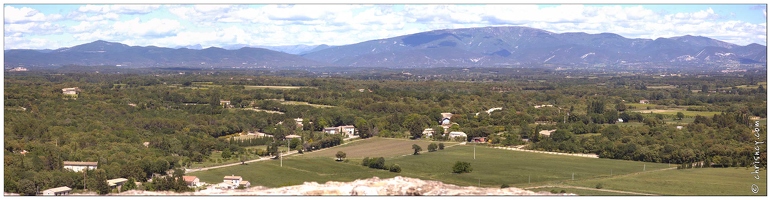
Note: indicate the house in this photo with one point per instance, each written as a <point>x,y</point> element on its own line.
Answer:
<point>192,181</point>
<point>231,182</point>
<point>60,191</point>
<point>644,101</point>
<point>117,183</point>
<point>541,106</point>
<point>331,130</point>
<point>225,104</point>
<point>679,127</point>
<point>547,132</point>
<point>479,139</point>
<point>457,134</point>
<point>246,184</point>
<point>79,166</point>
<point>620,120</point>
<point>428,132</point>
<point>293,136</point>
<point>446,118</point>
<point>348,129</point>
<point>299,122</point>
<point>70,91</point>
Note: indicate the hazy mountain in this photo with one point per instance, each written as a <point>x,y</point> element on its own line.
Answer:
<point>522,45</point>
<point>109,53</point>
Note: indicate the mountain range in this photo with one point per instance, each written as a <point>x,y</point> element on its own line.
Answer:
<point>486,46</point>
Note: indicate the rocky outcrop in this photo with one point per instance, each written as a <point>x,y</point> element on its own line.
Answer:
<point>397,186</point>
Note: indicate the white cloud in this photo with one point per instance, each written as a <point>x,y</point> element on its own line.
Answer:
<point>118,9</point>
<point>151,28</point>
<point>37,28</point>
<point>25,14</point>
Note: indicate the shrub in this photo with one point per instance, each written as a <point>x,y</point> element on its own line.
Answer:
<point>441,146</point>
<point>563,191</point>
<point>505,186</point>
<point>554,191</point>
<point>417,149</point>
<point>461,167</point>
<point>365,162</point>
<point>395,168</point>
<point>432,147</point>
<point>598,186</point>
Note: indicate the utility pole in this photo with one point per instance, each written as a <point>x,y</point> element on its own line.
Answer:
<point>475,151</point>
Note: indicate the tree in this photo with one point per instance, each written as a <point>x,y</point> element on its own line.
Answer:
<point>395,168</point>
<point>365,161</point>
<point>100,178</point>
<point>432,147</point>
<point>243,159</point>
<point>27,187</point>
<point>130,185</point>
<point>340,156</point>
<point>441,146</point>
<point>461,167</point>
<point>416,123</point>
<point>680,115</point>
<point>416,148</point>
<point>620,107</point>
<point>226,153</point>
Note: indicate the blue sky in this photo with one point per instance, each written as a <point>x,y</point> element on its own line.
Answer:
<point>40,26</point>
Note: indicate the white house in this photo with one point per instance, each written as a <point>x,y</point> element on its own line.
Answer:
<point>348,129</point>
<point>547,132</point>
<point>446,117</point>
<point>428,132</point>
<point>70,91</point>
<point>79,166</point>
<point>60,191</point>
<point>332,130</point>
<point>457,134</point>
<point>192,181</point>
<point>299,122</point>
<point>231,182</point>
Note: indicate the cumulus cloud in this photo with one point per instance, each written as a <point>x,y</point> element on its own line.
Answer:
<point>118,9</point>
<point>23,15</point>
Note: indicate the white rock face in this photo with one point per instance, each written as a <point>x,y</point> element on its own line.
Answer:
<point>397,186</point>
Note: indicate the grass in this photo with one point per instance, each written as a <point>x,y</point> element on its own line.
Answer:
<point>662,87</point>
<point>674,112</point>
<point>579,192</point>
<point>492,168</point>
<point>706,181</point>
<point>255,87</point>
<point>375,147</point>
<point>234,158</point>
<point>294,172</point>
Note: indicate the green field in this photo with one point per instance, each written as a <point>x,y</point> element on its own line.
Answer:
<point>579,192</point>
<point>492,168</point>
<point>706,181</point>
<point>305,103</point>
<point>674,112</point>
<point>375,147</point>
<point>294,172</point>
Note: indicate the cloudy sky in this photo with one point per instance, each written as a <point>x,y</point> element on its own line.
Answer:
<point>41,26</point>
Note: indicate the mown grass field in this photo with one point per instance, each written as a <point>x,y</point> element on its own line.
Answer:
<point>706,181</point>
<point>375,147</point>
<point>580,192</point>
<point>492,168</point>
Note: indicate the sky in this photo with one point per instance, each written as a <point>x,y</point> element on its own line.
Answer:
<point>53,26</point>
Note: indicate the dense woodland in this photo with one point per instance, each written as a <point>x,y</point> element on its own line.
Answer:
<point>181,117</point>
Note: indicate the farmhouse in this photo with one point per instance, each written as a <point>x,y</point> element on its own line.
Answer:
<point>60,191</point>
<point>348,129</point>
<point>331,130</point>
<point>231,182</point>
<point>428,132</point>
<point>70,91</point>
<point>192,181</point>
<point>479,139</point>
<point>547,132</point>
<point>246,184</point>
<point>293,136</point>
<point>118,182</point>
<point>446,118</point>
<point>644,101</point>
<point>457,134</point>
<point>79,166</point>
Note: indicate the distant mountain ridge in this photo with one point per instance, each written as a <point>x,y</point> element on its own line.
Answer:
<point>486,46</point>
<point>109,53</point>
<point>490,46</point>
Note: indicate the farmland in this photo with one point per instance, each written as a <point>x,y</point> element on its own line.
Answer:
<point>374,147</point>
<point>494,167</point>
